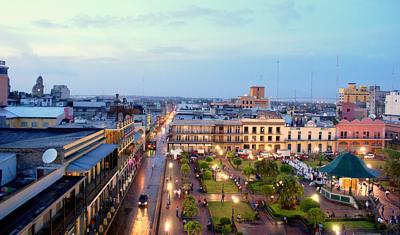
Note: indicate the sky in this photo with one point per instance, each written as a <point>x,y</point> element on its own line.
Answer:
<point>201,48</point>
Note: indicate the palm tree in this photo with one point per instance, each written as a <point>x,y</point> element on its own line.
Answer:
<point>193,227</point>
<point>269,168</point>
<point>288,189</point>
<point>191,210</point>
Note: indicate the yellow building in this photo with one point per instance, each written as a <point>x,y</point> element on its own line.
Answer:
<point>353,94</point>
<point>310,139</point>
<point>32,117</point>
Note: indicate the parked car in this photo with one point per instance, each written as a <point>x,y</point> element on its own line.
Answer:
<point>369,156</point>
<point>301,156</point>
<point>143,200</point>
<point>283,152</point>
<point>244,152</point>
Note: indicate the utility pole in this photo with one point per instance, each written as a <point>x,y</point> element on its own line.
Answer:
<point>337,77</point>
<point>311,89</point>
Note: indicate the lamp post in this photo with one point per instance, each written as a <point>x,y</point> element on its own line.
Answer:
<point>235,200</point>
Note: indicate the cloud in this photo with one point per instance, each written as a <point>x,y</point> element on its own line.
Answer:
<point>44,23</point>
<point>166,18</point>
<point>285,11</point>
<point>170,50</point>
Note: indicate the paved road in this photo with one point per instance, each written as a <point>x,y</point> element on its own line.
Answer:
<point>133,220</point>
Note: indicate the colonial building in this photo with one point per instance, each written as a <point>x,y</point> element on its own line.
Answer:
<point>364,135</point>
<point>310,138</point>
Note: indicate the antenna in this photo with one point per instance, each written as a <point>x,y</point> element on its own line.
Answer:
<point>49,156</point>
<point>393,78</point>
<point>277,79</point>
<point>311,89</point>
<point>337,77</point>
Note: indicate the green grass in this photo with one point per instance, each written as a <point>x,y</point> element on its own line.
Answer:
<point>218,209</point>
<point>314,164</point>
<point>358,224</point>
<point>375,164</point>
<point>286,213</point>
<point>213,186</point>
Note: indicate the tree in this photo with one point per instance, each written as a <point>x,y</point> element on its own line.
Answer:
<point>392,166</point>
<point>321,158</point>
<point>207,175</point>
<point>203,165</point>
<point>258,165</point>
<point>185,170</point>
<point>315,216</point>
<point>248,170</point>
<point>190,210</point>
<point>288,189</point>
<point>224,221</point>
<point>286,169</point>
<point>269,168</point>
<point>267,190</point>
<point>193,227</point>
<point>184,161</point>
<point>230,154</point>
<point>185,154</point>
<point>209,159</point>
<point>237,162</point>
<point>308,203</point>
<point>189,200</point>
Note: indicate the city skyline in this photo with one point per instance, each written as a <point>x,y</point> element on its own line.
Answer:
<point>212,49</point>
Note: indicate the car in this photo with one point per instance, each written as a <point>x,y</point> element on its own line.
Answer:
<point>301,156</point>
<point>152,145</point>
<point>369,156</point>
<point>143,200</point>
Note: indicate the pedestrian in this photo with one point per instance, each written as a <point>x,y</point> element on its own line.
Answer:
<point>367,205</point>
<point>152,167</point>
<point>383,210</point>
<point>177,211</point>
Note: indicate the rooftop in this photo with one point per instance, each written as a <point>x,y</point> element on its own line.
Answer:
<point>41,138</point>
<point>31,112</point>
<point>17,220</point>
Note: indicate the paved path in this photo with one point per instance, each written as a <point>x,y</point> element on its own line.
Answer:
<point>390,203</point>
<point>133,220</point>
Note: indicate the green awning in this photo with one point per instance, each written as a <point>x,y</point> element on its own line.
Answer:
<point>349,165</point>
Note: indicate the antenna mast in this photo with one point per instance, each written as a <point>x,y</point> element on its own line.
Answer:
<point>337,77</point>
<point>277,79</point>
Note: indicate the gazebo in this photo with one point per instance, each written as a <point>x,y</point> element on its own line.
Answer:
<point>344,173</point>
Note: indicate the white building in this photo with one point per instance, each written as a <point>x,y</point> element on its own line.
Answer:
<point>392,106</point>
<point>60,92</point>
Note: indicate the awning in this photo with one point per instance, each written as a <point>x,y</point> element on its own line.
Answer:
<point>89,160</point>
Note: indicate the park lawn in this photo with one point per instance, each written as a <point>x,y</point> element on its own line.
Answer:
<point>213,186</point>
<point>375,164</point>
<point>287,213</point>
<point>358,224</point>
<point>218,209</point>
<point>314,164</point>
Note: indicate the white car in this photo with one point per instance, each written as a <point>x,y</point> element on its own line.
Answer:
<point>369,156</point>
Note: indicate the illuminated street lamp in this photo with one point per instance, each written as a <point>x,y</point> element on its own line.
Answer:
<point>336,229</point>
<point>221,152</point>
<point>217,147</point>
<point>167,227</point>
<point>170,165</point>
<point>316,149</point>
<point>363,150</point>
<point>315,197</point>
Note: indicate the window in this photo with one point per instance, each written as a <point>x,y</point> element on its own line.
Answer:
<point>246,129</point>
<point>261,138</point>
<point>309,148</point>
<point>238,130</point>
<point>229,138</point>
<point>299,135</point>
<point>278,138</point>
<point>320,147</point>
<point>246,138</point>
<point>269,138</point>
<point>289,146</point>
<point>289,137</point>
<point>253,146</point>
<point>309,135</point>
<point>270,130</point>
<point>299,148</point>
<point>262,129</point>
<point>320,135</point>
<point>45,124</point>
<point>237,138</point>
<point>329,135</point>
<point>24,124</point>
<point>254,130</point>
<point>254,138</point>
<point>278,130</point>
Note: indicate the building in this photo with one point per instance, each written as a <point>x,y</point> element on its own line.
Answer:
<point>4,84</point>
<point>392,106</point>
<point>352,111</point>
<point>256,99</point>
<point>35,117</point>
<point>38,88</point>
<point>360,136</point>
<point>60,92</point>
<point>353,95</point>
<point>41,198</point>
<point>310,138</point>
<point>376,104</point>
<point>90,109</point>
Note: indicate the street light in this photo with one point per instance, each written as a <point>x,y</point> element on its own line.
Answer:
<point>363,150</point>
<point>316,149</point>
<point>170,165</point>
<point>336,229</point>
<point>315,197</point>
<point>221,152</point>
<point>167,226</point>
<point>235,200</point>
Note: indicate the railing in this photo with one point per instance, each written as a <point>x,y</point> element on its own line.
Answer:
<point>95,187</point>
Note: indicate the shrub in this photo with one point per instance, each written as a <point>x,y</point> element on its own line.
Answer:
<point>207,175</point>
<point>226,228</point>
<point>203,165</point>
<point>287,169</point>
<point>237,162</point>
<point>267,190</point>
<point>224,221</point>
<point>308,203</point>
<point>184,161</point>
<point>209,159</point>
<point>315,216</point>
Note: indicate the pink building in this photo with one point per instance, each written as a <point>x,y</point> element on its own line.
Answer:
<point>362,136</point>
<point>351,111</point>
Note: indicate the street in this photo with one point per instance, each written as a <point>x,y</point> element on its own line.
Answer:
<point>133,220</point>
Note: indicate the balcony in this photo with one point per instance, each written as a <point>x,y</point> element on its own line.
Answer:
<point>98,183</point>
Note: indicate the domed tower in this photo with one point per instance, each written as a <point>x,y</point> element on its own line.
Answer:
<point>38,88</point>
<point>4,84</point>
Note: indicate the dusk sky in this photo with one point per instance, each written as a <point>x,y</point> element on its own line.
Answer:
<point>200,48</point>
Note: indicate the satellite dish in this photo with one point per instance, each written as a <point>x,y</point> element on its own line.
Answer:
<point>49,155</point>
<point>372,116</point>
